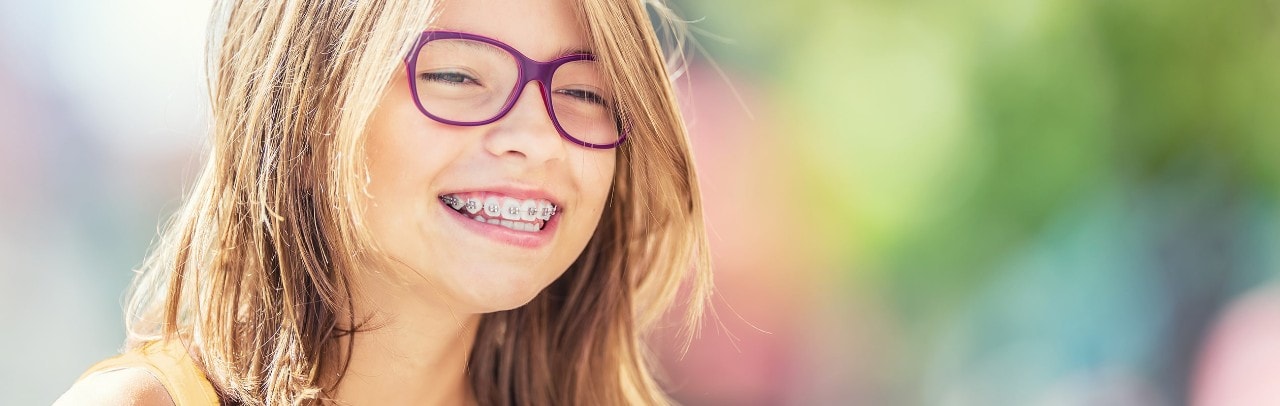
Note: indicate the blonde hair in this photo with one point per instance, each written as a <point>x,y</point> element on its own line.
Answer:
<point>253,271</point>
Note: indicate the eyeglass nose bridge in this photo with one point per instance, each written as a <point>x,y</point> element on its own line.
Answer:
<point>540,73</point>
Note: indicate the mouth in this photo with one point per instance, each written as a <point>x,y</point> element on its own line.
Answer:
<point>526,215</point>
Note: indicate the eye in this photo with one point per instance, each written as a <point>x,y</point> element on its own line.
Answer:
<point>452,78</point>
<point>583,95</point>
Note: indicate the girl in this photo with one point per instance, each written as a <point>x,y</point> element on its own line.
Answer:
<point>422,202</point>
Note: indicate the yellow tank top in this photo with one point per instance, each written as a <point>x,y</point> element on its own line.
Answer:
<point>169,363</point>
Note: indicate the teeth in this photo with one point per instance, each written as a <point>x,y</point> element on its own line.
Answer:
<point>529,210</point>
<point>497,209</point>
<point>512,224</point>
<point>454,202</point>
<point>492,207</point>
<point>473,205</point>
<point>510,209</point>
<point>544,210</point>
<point>516,225</point>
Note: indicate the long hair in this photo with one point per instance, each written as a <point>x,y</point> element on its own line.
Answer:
<point>253,272</point>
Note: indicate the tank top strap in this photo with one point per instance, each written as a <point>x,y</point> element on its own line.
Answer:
<point>169,362</point>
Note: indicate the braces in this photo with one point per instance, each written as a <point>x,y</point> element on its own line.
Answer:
<point>472,205</point>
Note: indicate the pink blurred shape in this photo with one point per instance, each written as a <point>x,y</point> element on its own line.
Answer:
<point>1239,364</point>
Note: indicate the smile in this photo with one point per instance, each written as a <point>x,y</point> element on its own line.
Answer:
<point>527,215</point>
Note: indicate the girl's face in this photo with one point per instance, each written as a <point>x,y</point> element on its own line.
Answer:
<point>420,169</point>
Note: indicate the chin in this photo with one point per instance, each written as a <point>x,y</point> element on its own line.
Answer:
<point>498,300</point>
<point>495,290</point>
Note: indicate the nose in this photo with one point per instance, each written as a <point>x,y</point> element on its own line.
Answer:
<point>526,131</point>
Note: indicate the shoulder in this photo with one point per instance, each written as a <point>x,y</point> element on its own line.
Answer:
<point>124,386</point>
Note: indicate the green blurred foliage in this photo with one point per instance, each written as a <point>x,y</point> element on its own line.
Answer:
<point>939,136</point>
<point>941,144</point>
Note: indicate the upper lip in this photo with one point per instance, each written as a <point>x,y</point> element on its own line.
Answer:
<point>514,191</point>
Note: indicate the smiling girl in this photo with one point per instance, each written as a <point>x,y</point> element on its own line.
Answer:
<point>421,202</point>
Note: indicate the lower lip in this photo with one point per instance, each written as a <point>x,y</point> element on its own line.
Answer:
<point>522,239</point>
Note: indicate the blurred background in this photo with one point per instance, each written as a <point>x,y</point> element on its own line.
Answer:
<point>911,202</point>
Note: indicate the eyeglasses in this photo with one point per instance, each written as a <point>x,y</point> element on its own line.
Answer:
<point>469,80</point>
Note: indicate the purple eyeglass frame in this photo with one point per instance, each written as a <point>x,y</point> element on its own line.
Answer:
<point>530,71</point>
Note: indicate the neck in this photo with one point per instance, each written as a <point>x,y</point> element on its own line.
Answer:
<point>412,350</point>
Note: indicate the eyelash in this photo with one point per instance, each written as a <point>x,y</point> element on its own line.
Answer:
<point>584,95</point>
<point>444,77</point>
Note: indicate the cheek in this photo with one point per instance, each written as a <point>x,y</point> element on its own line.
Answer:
<point>401,147</point>
<point>404,155</point>
<point>404,150</point>
<point>594,171</point>
<point>598,169</point>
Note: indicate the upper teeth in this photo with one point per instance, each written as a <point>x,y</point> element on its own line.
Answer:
<point>454,202</point>
<point>492,207</point>
<point>498,206</point>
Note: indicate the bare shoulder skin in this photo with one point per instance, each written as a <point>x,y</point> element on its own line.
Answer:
<point>126,386</point>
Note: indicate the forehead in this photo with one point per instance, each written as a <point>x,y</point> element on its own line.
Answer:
<point>540,29</point>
